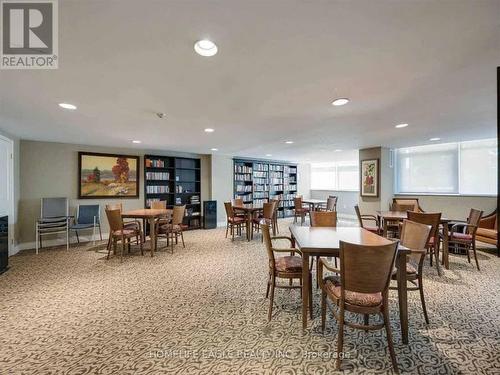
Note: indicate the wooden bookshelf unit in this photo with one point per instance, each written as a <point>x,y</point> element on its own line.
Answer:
<point>174,180</point>
<point>258,181</point>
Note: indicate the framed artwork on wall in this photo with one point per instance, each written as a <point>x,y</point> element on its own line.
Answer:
<point>369,178</point>
<point>107,176</point>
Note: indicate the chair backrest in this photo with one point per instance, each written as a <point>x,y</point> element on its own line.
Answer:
<point>266,234</point>
<point>358,214</point>
<point>229,209</point>
<point>268,210</point>
<point>427,218</point>
<point>114,206</point>
<point>403,207</point>
<point>238,202</point>
<point>331,203</point>
<point>473,219</point>
<point>54,207</point>
<point>412,202</point>
<point>159,205</point>
<point>323,218</point>
<point>297,202</point>
<point>114,219</point>
<point>178,215</point>
<point>415,236</point>
<point>87,213</point>
<point>366,269</point>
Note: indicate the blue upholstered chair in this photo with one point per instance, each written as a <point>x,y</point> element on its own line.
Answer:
<point>88,216</point>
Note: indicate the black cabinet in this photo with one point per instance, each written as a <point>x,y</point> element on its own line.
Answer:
<point>4,243</point>
<point>210,214</point>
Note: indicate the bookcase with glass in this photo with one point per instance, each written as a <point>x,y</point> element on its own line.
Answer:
<point>176,181</point>
<point>259,181</point>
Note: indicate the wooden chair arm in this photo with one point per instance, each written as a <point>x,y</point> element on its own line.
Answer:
<point>464,225</point>
<point>287,250</point>
<point>282,238</point>
<point>323,263</point>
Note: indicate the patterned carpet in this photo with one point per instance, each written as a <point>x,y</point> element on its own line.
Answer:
<point>202,310</point>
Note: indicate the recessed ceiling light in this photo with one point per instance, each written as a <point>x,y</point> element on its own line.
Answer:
<point>338,150</point>
<point>205,48</point>
<point>435,139</point>
<point>399,126</point>
<point>209,130</point>
<point>161,115</point>
<point>67,106</point>
<point>269,155</point>
<point>214,149</point>
<point>136,141</point>
<point>340,101</point>
<point>288,142</point>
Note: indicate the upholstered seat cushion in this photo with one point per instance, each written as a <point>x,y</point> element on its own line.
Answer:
<point>131,224</point>
<point>354,298</point>
<point>484,232</point>
<point>431,241</point>
<point>288,264</point>
<point>303,209</point>
<point>125,232</point>
<point>460,237</point>
<point>236,220</point>
<point>261,220</point>
<point>169,227</point>
<point>372,229</point>
<point>410,269</point>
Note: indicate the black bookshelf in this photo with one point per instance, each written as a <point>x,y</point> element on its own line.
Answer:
<point>176,181</point>
<point>258,181</point>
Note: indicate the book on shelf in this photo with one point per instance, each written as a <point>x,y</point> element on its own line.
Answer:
<point>154,163</point>
<point>157,189</point>
<point>243,188</point>
<point>242,169</point>
<point>156,176</point>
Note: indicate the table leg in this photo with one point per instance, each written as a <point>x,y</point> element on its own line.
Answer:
<point>152,234</point>
<point>384,233</point>
<point>446,247</point>
<point>305,288</point>
<point>402,297</point>
<point>249,225</point>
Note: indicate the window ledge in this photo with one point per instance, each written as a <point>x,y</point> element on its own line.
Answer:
<point>447,195</point>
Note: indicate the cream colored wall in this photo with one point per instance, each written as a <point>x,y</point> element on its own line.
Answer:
<point>50,169</point>
<point>304,180</point>
<point>222,183</point>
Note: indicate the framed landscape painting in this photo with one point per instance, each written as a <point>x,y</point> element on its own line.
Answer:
<point>369,178</point>
<point>107,176</point>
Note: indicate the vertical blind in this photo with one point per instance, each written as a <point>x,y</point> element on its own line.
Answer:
<point>452,168</point>
<point>335,176</point>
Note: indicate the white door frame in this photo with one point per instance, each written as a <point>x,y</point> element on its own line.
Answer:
<point>11,192</point>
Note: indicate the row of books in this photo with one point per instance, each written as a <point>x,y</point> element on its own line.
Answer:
<point>260,194</point>
<point>276,187</point>
<point>261,167</point>
<point>261,188</point>
<point>243,177</point>
<point>275,167</point>
<point>157,189</point>
<point>259,202</point>
<point>157,176</point>
<point>242,169</point>
<point>155,163</point>
<point>243,188</point>
<point>194,199</point>
<point>275,174</point>
<point>290,170</point>
<point>290,179</point>
<point>291,187</point>
<point>260,181</point>
<point>260,174</point>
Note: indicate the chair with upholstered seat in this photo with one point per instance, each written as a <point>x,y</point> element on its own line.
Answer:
<point>299,210</point>
<point>325,219</point>
<point>415,236</point>
<point>407,204</point>
<point>130,224</point>
<point>432,219</point>
<point>488,230</point>
<point>466,240</point>
<point>54,219</point>
<point>362,288</point>
<point>267,217</point>
<point>362,218</point>
<point>118,232</point>
<point>286,267</point>
<point>88,216</point>
<point>174,229</point>
<point>233,221</point>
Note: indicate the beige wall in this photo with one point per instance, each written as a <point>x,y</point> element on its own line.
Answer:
<point>222,183</point>
<point>304,180</point>
<point>50,169</point>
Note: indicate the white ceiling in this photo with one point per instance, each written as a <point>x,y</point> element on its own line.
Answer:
<point>431,64</point>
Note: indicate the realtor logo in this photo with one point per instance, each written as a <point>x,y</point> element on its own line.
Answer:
<point>29,34</point>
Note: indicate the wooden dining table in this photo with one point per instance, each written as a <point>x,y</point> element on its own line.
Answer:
<point>150,215</point>
<point>385,216</point>
<point>322,241</point>
<point>314,204</point>
<point>249,210</point>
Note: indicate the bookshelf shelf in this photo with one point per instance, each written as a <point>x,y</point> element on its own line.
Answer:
<point>166,178</point>
<point>257,181</point>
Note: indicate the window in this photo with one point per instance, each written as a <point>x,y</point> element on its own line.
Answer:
<point>450,168</point>
<point>335,176</point>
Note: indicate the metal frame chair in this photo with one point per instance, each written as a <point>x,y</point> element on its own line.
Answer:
<point>91,218</point>
<point>54,219</point>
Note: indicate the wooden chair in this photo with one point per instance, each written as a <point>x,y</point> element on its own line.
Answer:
<point>361,218</point>
<point>362,288</point>
<point>432,219</point>
<point>331,203</point>
<point>322,219</point>
<point>238,202</point>
<point>466,240</point>
<point>411,204</point>
<point>276,212</point>
<point>287,267</point>
<point>130,224</point>
<point>173,230</point>
<point>118,232</point>
<point>267,217</point>
<point>233,221</point>
<point>415,236</point>
<point>299,210</point>
<point>159,205</point>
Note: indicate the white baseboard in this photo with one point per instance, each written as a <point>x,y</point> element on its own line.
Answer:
<point>59,241</point>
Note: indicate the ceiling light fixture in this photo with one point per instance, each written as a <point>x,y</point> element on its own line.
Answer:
<point>136,141</point>
<point>209,130</point>
<point>67,106</point>
<point>288,142</point>
<point>435,139</point>
<point>340,101</point>
<point>214,149</point>
<point>205,48</point>
<point>161,115</point>
<point>399,126</point>
<point>268,155</point>
<point>338,150</point>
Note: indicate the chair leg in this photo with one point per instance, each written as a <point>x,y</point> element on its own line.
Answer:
<point>268,285</point>
<point>232,232</point>
<point>422,298</point>
<point>468,254</point>
<point>271,300</point>
<point>109,247</point>
<point>123,249</point>
<point>323,310</point>
<point>340,337</point>
<point>77,238</point>
<point>387,325</point>
<point>100,232</point>
<point>142,249</point>
<point>227,228</point>
<point>366,320</point>
<point>182,238</point>
<point>475,255</point>
<point>172,242</point>
<point>310,297</point>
